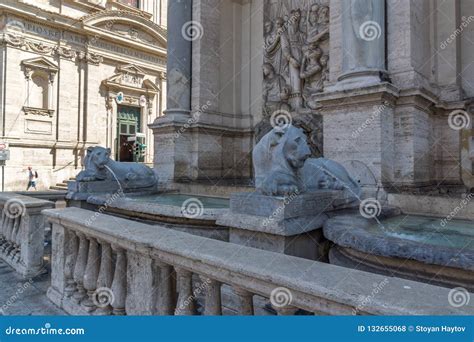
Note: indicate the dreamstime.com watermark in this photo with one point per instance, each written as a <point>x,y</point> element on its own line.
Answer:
<point>196,293</point>
<point>364,301</point>
<point>46,330</point>
<point>463,204</point>
<point>278,211</point>
<point>192,30</point>
<point>193,120</point>
<point>377,113</point>
<point>281,297</point>
<point>465,21</point>
<point>115,196</point>
<point>192,208</point>
<point>16,296</point>
<point>284,27</point>
<point>458,297</point>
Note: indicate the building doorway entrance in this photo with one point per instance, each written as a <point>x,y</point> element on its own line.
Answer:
<point>128,125</point>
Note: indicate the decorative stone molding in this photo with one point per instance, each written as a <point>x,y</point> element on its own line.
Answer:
<point>50,69</point>
<point>39,63</point>
<point>65,52</point>
<point>39,47</point>
<point>21,42</point>
<point>116,16</point>
<point>15,40</point>
<point>130,79</point>
<point>90,57</point>
<point>38,111</point>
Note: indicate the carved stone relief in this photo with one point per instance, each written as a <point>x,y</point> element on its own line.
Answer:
<point>296,54</point>
<point>296,65</point>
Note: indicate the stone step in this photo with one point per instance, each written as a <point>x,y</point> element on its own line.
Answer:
<point>63,185</point>
<point>56,187</point>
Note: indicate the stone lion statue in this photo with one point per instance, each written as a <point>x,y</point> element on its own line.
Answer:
<point>277,159</point>
<point>283,167</point>
<point>100,167</point>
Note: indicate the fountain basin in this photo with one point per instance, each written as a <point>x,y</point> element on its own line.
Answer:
<point>185,212</point>
<point>415,247</point>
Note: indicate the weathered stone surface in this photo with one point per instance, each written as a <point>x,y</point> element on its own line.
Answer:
<point>439,206</point>
<point>22,233</point>
<point>319,287</point>
<point>411,269</point>
<point>150,208</point>
<point>283,207</point>
<point>354,231</point>
<point>308,245</point>
<point>284,216</point>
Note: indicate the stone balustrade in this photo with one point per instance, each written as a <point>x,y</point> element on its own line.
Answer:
<point>121,267</point>
<point>22,230</point>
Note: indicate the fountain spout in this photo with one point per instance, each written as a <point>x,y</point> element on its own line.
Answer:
<point>116,178</point>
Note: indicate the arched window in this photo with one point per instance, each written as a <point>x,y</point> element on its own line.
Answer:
<point>39,90</point>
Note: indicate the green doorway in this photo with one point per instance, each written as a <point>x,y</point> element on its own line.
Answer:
<point>128,125</point>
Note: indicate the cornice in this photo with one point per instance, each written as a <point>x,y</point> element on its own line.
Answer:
<point>83,28</point>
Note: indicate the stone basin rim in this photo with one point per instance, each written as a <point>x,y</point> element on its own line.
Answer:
<point>349,231</point>
<point>128,203</point>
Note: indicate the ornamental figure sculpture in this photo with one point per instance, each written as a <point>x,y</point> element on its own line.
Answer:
<point>296,46</point>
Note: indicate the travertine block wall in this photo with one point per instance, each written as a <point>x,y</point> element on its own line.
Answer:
<point>82,86</point>
<point>429,82</point>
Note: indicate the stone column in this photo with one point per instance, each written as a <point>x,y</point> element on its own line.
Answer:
<point>363,41</point>
<point>178,101</point>
<point>172,136</point>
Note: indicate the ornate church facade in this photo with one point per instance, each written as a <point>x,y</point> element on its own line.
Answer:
<point>384,87</point>
<point>76,74</point>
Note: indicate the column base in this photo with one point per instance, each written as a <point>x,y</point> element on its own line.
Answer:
<point>359,79</point>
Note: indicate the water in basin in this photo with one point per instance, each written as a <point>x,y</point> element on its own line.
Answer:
<point>177,200</point>
<point>428,230</point>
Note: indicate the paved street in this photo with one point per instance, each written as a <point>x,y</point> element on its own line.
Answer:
<point>24,296</point>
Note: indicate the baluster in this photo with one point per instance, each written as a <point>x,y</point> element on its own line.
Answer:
<point>91,275</point>
<point>185,305</point>
<point>104,281</point>
<point>245,302</point>
<point>2,228</point>
<point>8,228</point>
<point>16,254</point>
<point>80,268</point>
<point>119,284</point>
<point>11,235</point>
<point>70,263</point>
<point>212,304</point>
<point>165,302</point>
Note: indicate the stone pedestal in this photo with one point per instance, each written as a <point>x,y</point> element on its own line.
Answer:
<point>359,125</point>
<point>289,225</point>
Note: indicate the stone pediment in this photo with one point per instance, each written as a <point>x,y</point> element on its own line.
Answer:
<point>40,63</point>
<point>131,77</point>
<point>128,25</point>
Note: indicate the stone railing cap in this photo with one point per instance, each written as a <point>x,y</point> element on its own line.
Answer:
<point>333,283</point>
<point>27,201</point>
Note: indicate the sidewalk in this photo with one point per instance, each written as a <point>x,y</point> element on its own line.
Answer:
<point>24,297</point>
